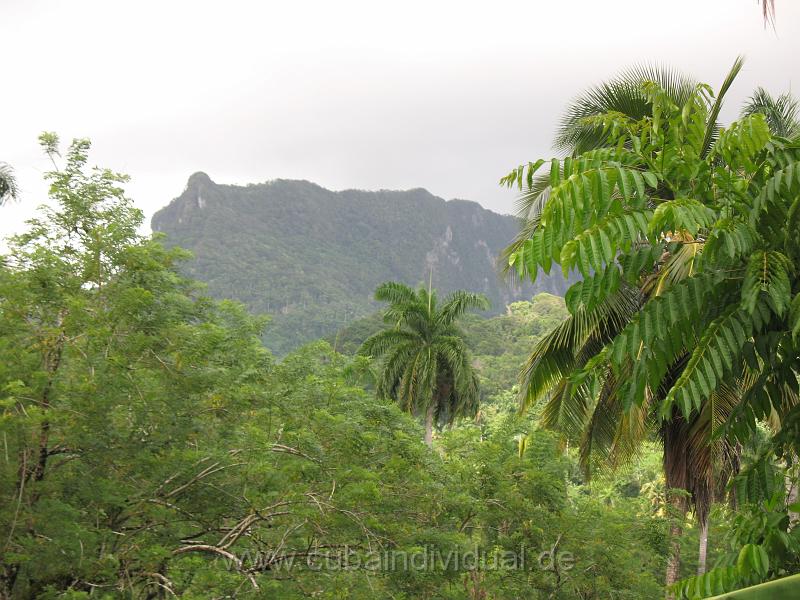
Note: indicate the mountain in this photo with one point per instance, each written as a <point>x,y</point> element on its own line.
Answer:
<point>311,258</point>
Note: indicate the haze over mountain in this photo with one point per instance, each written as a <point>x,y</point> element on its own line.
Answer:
<point>311,257</point>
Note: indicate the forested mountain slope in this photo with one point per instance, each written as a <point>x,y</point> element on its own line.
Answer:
<point>311,257</point>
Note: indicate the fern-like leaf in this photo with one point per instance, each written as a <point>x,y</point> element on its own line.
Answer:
<point>768,272</point>
<point>712,359</point>
<point>683,214</point>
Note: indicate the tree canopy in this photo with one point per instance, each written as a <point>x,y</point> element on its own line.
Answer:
<point>152,446</point>
<point>684,234</point>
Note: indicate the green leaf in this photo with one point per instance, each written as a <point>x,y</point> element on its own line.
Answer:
<point>650,178</point>
<point>725,337</point>
<point>683,214</point>
<point>767,272</point>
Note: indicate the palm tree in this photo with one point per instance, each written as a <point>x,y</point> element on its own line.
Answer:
<point>426,366</point>
<point>782,113</point>
<point>599,419</point>
<point>8,184</point>
<point>608,433</point>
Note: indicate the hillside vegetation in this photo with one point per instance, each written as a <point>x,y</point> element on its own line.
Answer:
<point>637,438</point>
<point>311,258</point>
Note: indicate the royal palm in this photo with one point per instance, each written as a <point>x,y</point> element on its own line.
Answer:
<point>425,365</point>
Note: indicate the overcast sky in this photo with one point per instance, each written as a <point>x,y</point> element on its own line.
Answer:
<point>443,95</point>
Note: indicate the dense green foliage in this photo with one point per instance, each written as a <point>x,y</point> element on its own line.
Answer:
<point>311,258</point>
<point>709,222</point>
<point>685,236</point>
<point>152,447</point>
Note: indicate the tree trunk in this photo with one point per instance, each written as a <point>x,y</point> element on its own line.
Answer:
<point>701,559</point>
<point>791,489</point>
<point>678,511</point>
<point>674,560</point>
<point>675,436</point>
<point>429,424</point>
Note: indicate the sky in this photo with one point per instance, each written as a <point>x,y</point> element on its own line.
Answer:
<point>443,95</point>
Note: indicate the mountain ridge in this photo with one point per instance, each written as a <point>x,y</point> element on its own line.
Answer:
<point>311,257</point>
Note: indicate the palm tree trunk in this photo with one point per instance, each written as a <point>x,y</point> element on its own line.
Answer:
<point>674,560</point>
<point>429,424</point>
<point>678,511</point>
<point>701,559</point>
<point>791,489</point>
<point>674,435</point>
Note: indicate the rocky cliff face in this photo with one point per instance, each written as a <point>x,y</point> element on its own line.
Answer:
<point>311,257</point>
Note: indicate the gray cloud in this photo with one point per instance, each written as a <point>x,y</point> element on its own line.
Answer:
<point>445,95</point>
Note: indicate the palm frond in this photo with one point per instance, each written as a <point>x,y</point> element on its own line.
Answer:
<point>712,127</point>
<point>393,369</point>
<point>614,434</point>
<point>675,267</point>
<point>458,303</point>
<point>412,394</point>
<point>768,12</point>
<point>568,409</point>
<point>383,341</point>
<point>395,293</point>
<point>712,460</point>
<point>8,184</point>
<point>413,316</point>
<point>557,354</point>
<point>635,427</point>
<point>782,113</point>
<point>622,94</point>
